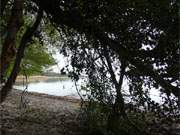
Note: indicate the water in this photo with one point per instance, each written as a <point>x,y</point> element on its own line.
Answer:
<point>66,87</point>
<point>56,87</point>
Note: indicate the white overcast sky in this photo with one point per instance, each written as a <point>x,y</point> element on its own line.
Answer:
<point>61,62</point>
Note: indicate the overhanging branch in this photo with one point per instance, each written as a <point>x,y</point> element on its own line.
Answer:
<point>74,20</point>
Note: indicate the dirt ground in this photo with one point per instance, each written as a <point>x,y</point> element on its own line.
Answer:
<point>39,114</point>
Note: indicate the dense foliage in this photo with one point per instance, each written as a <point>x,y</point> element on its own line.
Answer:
<point>103,69</point>
<point>36,58</point>
<point>113,44</point>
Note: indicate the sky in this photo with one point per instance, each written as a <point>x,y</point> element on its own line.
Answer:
<point>61,62</point>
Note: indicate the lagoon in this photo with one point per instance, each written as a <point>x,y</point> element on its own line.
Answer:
<point>64,86</point>
<point>56,86</point>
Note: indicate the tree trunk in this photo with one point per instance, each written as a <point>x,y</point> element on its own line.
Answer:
<point>118,108</point>
<point>8,49</point>
<point>20,53</point>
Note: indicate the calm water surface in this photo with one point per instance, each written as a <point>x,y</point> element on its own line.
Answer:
<point>65,87</point>
<point>57,87</point>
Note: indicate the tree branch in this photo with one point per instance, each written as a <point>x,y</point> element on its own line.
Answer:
<point>75,20</point>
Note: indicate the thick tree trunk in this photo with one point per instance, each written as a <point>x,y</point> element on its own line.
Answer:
<point>20,53</point>
<point>8,49</point>
<point>118,108</point>
<point>119,102</point>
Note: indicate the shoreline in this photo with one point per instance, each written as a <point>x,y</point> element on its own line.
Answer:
<point>38,78</point>
<point>66,98</point>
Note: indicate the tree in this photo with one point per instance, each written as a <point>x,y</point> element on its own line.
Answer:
<point>27,36</point>
<point>137,31</point>
<point>99,22</point>
<point>20,53</point>
<point>8,48</point>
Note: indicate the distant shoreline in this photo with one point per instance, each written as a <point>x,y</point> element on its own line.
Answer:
<point>38,78</point>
